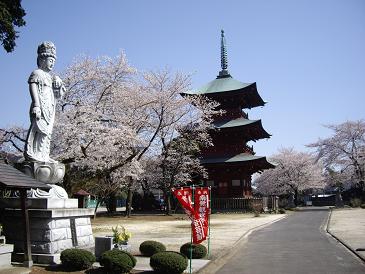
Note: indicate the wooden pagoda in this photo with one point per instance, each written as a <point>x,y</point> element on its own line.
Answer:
<point>230,162</point>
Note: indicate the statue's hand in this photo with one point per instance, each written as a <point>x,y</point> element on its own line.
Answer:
<point>57,82</point>
<point>36,111</point>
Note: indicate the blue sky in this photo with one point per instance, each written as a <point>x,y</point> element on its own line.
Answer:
<point>307,57</point>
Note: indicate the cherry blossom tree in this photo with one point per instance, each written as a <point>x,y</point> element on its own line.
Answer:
<point>294,172</point>
<point>111,117</point>
<point>344,153</point>
<point>94,129</point>
<point>169,139</point>
<point>12,139</point>
<point>184,123</point>
<point>178,162</point>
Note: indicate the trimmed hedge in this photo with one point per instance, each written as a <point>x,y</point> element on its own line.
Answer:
<point>169,262</point>
<point>77,259</point>
<point>148,248</point>
<point>118,261</point>
<point>198,250</point>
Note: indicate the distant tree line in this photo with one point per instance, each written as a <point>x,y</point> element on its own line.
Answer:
<point>337,163</point>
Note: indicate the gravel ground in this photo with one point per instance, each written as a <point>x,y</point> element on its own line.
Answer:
<point>174,230</point>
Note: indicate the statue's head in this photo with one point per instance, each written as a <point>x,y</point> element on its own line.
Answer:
<point>46,56</point>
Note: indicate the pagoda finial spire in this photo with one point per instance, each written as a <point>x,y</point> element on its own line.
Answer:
<point>224,60</point>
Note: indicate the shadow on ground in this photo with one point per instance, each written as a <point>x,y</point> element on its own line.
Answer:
<point>319,208</point>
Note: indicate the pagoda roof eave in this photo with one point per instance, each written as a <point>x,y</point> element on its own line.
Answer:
<point>239,158</point>
<point>242,123</point>
<point>233,123</point>
<point>239,122</point>
<point>220,85</point>
<point>220,89</point>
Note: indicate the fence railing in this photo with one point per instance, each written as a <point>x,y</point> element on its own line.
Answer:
<point>246,204</point>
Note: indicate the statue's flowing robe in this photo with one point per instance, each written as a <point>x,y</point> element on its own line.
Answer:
<point>39,134</point>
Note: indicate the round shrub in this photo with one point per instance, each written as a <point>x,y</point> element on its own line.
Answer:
<point>355,202</point>
<point>117,261</point>
<point>168,262</point>
<point>148,248</point>
<point>77,259</point>
<point>198,250</point>
<point>362,206</point>
<point>281,210</point>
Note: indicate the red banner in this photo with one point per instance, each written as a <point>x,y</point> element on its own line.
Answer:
<point>201,214</point>
<point>184,196</point>
<point>198,214</point>
<point>201,202</point>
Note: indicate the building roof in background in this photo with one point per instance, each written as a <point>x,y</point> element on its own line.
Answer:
<point>82,192</point>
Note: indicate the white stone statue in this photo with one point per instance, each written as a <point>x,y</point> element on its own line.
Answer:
<point>44,89</point>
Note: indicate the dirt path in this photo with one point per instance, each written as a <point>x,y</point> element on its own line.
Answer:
<point>174,230</point>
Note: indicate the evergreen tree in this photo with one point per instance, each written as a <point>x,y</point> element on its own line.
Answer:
<point>11,15</point>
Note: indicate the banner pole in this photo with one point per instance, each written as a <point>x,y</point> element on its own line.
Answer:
<point>191,232</point>
<point>210,211</point>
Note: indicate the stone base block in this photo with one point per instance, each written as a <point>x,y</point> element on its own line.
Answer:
<point>40,203</point>
<point>51,231</point>
<point>52,213</point>
<point>5,254</point>
<point>38,258</point>
<point>42,258</point>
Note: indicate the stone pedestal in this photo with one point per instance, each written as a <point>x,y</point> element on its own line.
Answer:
<point>5,254</point>
<point>103,244</point>
<point>55,225</point>
<point>46,172</point>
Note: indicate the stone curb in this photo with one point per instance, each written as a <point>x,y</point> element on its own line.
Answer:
<point>214,265</point>
<point>341,241</point>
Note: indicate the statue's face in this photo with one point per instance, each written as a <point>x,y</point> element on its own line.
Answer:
<point>47,63</point>
<point>50,61</point>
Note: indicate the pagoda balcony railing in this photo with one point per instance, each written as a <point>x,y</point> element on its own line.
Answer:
<point>231,115</point>
<point>226,150</point>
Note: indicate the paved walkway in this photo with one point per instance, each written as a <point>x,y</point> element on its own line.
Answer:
<point>297,244</point>
<point>348,226</point>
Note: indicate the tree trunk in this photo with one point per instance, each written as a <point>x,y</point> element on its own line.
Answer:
<point>339,201</point>
<point>111,203</point>
<point>128,209</point>
<point>67,182</point>
<point>291,200</point>
<point>96,207</point>
<point>167,203</point>
<point>296,194</point>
